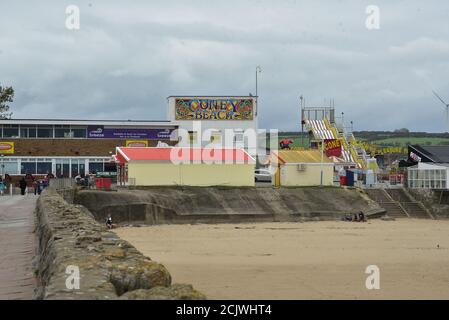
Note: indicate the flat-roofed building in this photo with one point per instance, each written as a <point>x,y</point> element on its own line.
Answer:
<point>185,166</point>
<point>301,168</point>
<point>67,148</point>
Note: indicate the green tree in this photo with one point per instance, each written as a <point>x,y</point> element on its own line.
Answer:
<point>6,95</point>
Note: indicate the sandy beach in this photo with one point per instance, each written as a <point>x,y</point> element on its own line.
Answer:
<point>313,260</point>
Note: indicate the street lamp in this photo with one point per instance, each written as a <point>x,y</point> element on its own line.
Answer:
<point>3,165</point>
<point>258,70</point>
<point>322,159</point>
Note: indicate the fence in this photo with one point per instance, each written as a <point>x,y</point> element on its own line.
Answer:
<point>62,183</point>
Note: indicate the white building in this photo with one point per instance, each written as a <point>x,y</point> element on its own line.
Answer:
<point>427,175</point>
<point>215,121</point>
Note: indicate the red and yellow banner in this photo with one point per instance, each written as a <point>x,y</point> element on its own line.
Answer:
<point>332,147</point>
<point>6,147</point>
<point>137,143</point>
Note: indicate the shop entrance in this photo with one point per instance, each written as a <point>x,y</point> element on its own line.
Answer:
<point>62,168</point>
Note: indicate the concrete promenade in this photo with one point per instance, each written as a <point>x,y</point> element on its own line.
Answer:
<point>16,246</point>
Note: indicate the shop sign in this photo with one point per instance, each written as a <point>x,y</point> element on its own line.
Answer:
<point>137,143</point>
<point>100,132</point>
<point>415,157</point>
<point>6,147</point>
<point>332,147</point>
<point>214,109</point>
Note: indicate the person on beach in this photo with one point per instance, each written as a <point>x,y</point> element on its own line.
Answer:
<point>361,216</point>
<point>109,223</point>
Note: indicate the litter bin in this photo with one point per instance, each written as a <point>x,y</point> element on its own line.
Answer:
<point>107,183</point>
<point>99,183</point>
<point>349,178</point>
<point>342,180</point>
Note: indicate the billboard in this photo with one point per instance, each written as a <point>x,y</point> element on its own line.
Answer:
<point>6,147</point>
<point>100,132</point>
<point>332,147</point>
<point>214,109</point>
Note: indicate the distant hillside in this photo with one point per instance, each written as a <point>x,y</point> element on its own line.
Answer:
<point>381,138</point>
<point>389,138</point>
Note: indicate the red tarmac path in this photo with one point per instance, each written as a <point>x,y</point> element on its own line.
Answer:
<point>16,246</point>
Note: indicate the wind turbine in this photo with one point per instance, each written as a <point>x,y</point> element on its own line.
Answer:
<point>447,108</point>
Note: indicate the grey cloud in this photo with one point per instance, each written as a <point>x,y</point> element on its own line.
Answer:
<point>127,57</point>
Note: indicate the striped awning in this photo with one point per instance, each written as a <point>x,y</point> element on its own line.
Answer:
<point>347,156</point>
<point>319,129</point>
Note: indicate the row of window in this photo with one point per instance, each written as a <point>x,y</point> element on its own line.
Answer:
<point>42,131</point>
<point>61,168</point>
<point>428,179</point>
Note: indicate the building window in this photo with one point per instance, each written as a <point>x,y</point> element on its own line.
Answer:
<point>95,167</point>
<point>27,132</point>
<point>43,167</point>
<point>79,132</point>
<point>62,132</point>
<point>8,166</point>
<point>10,131</point>
<point>28,167</point>
<point>238,137</point>
<point>427,178</point>
<point>44,132</point>
<point>62,168</point>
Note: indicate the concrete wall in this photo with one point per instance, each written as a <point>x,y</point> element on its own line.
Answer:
<point>290,176</point>
<point>109,267</point>
<point>161,205</point>
<point>163,174</point>
<point>435,201</point>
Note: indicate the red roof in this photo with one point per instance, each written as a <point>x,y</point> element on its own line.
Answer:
<point>180,154</point>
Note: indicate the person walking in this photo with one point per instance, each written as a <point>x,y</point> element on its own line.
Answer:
<point>2,186</point>
<point>23,186</point>
<point>35,186</point>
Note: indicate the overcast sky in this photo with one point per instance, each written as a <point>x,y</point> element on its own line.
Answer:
<point>126,58</point>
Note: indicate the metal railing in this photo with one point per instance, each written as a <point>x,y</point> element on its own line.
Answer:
<point>62,183</point>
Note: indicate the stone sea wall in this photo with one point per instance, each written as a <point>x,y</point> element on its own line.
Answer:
<point>68,237</point>
<point>178,205</point>
<point>434,201</point>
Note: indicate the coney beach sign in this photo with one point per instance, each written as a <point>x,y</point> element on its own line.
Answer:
<point>214,109</point>
<point>332,147</point>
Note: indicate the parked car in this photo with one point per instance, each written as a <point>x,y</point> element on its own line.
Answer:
<point>262,175</point>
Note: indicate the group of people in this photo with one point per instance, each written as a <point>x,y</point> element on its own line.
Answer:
<point>355,217</point>
<point>84,181</point>
<point>38,184</point>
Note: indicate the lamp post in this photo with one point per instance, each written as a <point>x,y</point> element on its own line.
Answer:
<point>258,70</point>
<point>322,159</point>
<point>3,165</point>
